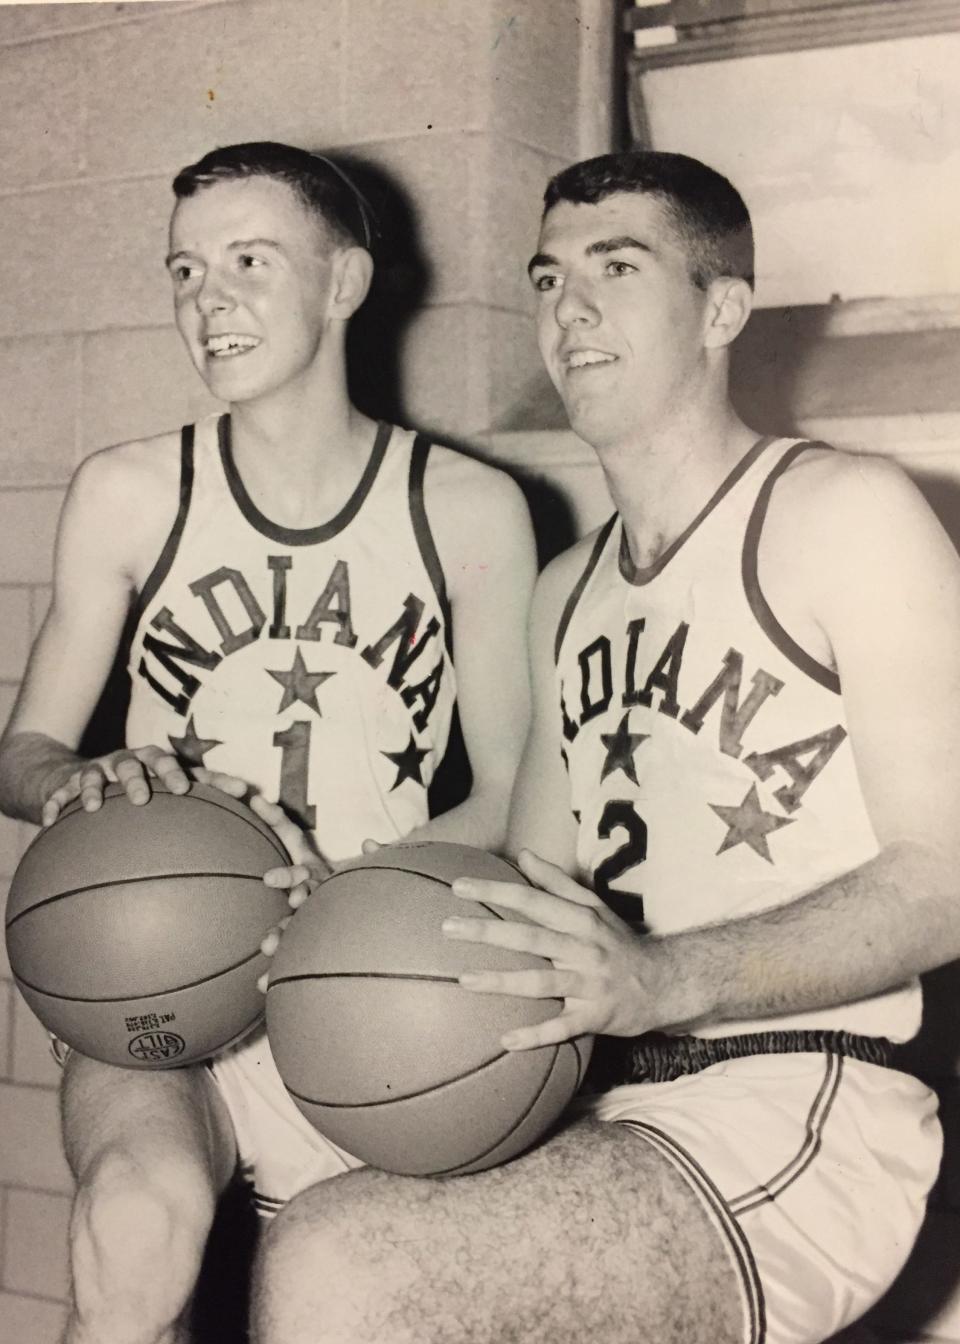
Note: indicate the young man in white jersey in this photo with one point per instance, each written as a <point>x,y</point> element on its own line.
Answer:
<point>293,573</point>
<point>739,802</point>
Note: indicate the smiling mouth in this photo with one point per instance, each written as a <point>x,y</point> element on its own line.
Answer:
<point>231,344</point>
<point>581,359</point>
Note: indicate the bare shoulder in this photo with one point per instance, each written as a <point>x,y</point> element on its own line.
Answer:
<point>462,484</point>
<point>477,512</point>
<point>830,487</point>
<point>139,471</point>
<point>125,498</point>
<point>844,532</point>
<point>561,576</point>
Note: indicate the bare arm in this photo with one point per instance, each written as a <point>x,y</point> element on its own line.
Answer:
<point>540,811</point>
<point>485,543</point>
<point>888,606</point>
<point>885,584</point>
<point>68,667</point>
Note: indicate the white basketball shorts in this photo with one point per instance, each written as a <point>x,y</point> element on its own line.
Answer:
<point>814,1168</point>
<point>279,1151</point>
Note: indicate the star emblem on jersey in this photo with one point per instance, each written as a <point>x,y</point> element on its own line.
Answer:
<point>408,763</point>
<point>191,748</point>
<point>300,684</point>
<point>620,748</point>
<point>748,824</point>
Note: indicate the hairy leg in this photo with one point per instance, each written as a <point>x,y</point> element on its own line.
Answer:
<point>150,1153</point>
<point>592,1235</point>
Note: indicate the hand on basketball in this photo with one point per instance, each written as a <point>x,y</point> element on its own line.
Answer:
<point>130,767</point>
<point>300,878</point>
<point>600,967</point>
<point>217,779</point>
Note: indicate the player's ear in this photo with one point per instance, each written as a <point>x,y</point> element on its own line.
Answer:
<point>352,274</point>
<point>729,304</point>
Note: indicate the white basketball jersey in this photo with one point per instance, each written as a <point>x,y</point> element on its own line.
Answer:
<point>710,765</point>
<point>314,662</point>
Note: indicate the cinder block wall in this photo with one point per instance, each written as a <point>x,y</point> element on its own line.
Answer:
<point>468,105</point>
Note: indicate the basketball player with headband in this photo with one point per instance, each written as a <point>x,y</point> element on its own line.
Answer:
<point>294,574</point>
<point>738,809</point>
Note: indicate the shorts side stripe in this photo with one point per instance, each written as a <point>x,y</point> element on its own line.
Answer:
<point>266,1205</point>
<point>809,1148</point>
<point>729,1228</point>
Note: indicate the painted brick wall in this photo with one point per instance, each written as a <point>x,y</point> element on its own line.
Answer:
<point>468,104</point>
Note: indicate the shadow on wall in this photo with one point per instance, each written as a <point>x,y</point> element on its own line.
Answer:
<point>400,284</point>
<point>787,368</point>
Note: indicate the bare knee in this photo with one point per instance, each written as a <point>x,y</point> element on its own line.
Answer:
<point>325,1274</point>
<point>149,1158</point>
<point>137,1237</point>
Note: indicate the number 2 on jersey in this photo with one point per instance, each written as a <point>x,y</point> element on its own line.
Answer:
<point>618,814</point>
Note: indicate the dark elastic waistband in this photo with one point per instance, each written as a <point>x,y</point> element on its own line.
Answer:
<point>660,1058</point>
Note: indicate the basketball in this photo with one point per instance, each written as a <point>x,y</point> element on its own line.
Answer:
<point>381,1048</point>
<point>134,932</point>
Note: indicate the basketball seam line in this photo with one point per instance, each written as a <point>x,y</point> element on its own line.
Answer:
<point>415,872</point>
<point>514,1127</point>
<point>409,1096</point>
<point>389,975</point>
<point>133,998</point>
<point>447,1082</point>
<point>364,975</point>
<point>261,827</point>
<point>126,882</point>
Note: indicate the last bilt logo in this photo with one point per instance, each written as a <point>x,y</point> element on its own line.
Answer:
<point>177,662</point>
<point>603,687</point>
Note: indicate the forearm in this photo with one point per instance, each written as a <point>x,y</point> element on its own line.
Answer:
<point>32,766</point>
<point>480,820</point>
<point>864,932</point>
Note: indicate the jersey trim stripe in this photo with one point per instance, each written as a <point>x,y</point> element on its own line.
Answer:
<point>812,1142</point>
<point>299,536</point>
<point>424,535</point>
<point>824,676</point>
<point>755,1325</point>
<point>166,557</point>
<point>581,583</point>
<point>638,575</point>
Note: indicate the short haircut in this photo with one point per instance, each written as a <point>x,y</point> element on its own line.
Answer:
<point>707,212</point>
<point>320,185</point>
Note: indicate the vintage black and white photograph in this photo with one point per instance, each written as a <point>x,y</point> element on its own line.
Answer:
<point>480,672</point>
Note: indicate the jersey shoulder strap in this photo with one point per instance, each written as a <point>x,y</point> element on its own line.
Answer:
<point>593,559</point>
<point>166,557</point>
<point>759,605</point>
<point>422,531</point>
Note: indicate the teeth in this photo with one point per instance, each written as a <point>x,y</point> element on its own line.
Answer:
<point>579,358</point>
<point>230,344</point>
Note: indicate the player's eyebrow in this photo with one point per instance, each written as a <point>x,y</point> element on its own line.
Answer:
<point>239,245</point>
<point>540,259</point>
<point>618,244</point>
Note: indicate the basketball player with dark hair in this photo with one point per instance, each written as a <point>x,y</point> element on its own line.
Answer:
<point>738,808</point>
<point>295,576</point>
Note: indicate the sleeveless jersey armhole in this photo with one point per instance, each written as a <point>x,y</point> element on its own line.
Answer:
<point>577,592</point>
<point>419,454</point>
<point>759,605</point>
<point>166,556</point>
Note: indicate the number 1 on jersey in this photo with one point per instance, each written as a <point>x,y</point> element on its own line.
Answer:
<point>294,743</point>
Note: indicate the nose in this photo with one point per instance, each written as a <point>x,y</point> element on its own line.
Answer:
<point>214,294</point>
<point>576,306</point>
